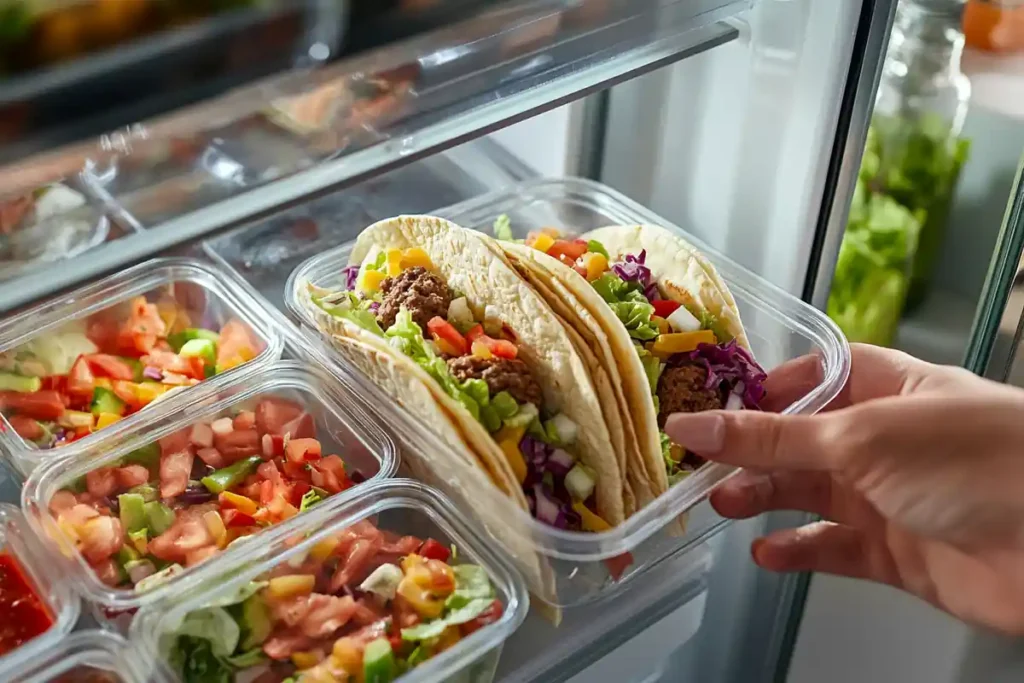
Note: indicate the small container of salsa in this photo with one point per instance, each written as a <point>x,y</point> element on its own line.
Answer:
<point>86,657</point>
<point>37,608</point>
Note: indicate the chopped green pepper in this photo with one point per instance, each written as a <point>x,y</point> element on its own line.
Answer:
<point>232,475</point>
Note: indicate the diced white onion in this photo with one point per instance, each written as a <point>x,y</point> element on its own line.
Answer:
<point>222,426</point>
<point>580,482</point>
<point>566,429</point>
<point>459,312</point>
<point>383,581</point>
<point>735,402</point>
<point>682,320</point>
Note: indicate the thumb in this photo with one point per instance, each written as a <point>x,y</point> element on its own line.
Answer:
<point>748,438</point>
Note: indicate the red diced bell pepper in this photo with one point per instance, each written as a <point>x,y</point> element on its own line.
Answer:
<point>570,250</point>
<point>26,427</point>
<point>432,550</point>
<point>475,332</point>
<point>236,518</point>
<point>302,450</point>
<point>500,348</point>
<point>245,421</point>
<point>41,405</point>
<point>663,308</point>
<point>488,616</point>
<point>105,365</point>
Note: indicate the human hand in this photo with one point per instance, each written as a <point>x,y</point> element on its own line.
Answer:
<point>917,470</point>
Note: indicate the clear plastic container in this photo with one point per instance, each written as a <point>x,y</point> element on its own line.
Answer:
<point>204,293</point>
<point>342,427</point>
<point>403,507</point>
<point>568,568</point>
<point>18,541</point>
<point>47,224</point>
<point>86,657</point>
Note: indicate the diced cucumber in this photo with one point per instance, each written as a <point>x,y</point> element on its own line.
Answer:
<point>106,401</point>
<point>379,662</point>
<point>257,622</point>
<point>147,491</point>
<point>127,554</point>
<point>159,517</point>
<point>200,348</point>
<point>179,339</point>
<point>25,385</point>
<point>132,511</point>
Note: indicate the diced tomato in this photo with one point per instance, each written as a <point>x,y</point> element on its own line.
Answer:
<point>267,492</point>
<point>571,250</point>
<point>212,457</point>
<point>235,345</point>
<point>404,615</point>
<point>26,427</point>
<point>269,471</point>
<point>143,328</point>
<point>499,347</point>
<point>108,572</point>
<point>201,436</point>
<point>58,383</point>
<point>41,405</point>
<point>178,441</point>
<point>101,482</point>
<point>618,565</point>
<point>299,472</point>
<point>61,501</point>
<point>245,421</point>
<point>273,445</point>
<point>237,445</point>
<point>273,414</point>
<point>663,308</point>
<point>299,489</point>
<point>100,538</point>
<point>236,518</point>
<point>81,381</point>
<point>103,331</point>
<point>475,333</point>
<point>329,474</point>
<point>442,330</point>
<point>174,472</point>
<point>302,450</point>
<point>432,550</point>
<point>488,616</point>
<point>105,365</point>
<point>129,393</point>
<point>168,361</point>
<point>200,555</point>
<point>131,475</point>
<point>281,509</point>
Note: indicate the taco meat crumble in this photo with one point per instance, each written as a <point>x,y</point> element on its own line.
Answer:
<point>682,390</point>
<point>501,374</point>
<point>424,294</point>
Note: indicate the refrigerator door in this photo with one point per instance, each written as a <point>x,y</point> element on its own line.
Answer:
<point>754,147</point>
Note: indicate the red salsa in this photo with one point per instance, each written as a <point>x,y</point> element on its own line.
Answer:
<point>23,616</point>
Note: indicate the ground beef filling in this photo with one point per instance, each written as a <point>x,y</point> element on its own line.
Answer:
<point>422,293</point>
<point>501,374</point>
<point>681,390</point>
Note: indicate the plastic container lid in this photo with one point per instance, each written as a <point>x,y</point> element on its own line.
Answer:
<point>18,540</point>
<point>342,426</point>
<point>210,297</point>
<point>590,565</point>
<point>400,506</point>
<point>102,654</point>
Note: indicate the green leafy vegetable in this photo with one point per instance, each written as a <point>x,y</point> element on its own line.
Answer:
<point>309,499</point>
<point>597,248</point>
<point>471,583</point>
<point>631,307</point>
<point>468,612</point>
<point>347,306</point>
<point>193,658</point>
<point>503,228</point>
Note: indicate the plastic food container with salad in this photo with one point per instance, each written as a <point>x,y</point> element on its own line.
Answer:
<point>135,515</point>
<point>391,585</point>
<point>585,565</point>
<point>37,607</point>
<point>91,363</point>
<point>85,657</point>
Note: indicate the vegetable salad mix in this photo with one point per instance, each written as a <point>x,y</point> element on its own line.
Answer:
<point>362,604</point>
<point>183,499</point>
<point>91,373</point>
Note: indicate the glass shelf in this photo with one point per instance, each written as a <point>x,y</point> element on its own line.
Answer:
<point>378,111</point>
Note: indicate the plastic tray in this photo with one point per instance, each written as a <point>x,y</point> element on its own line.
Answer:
<point>403,507</point>
<point>210,297</point>
<point>342,427</point>
<point>17,539</point>
<point>86,657</point>
<point>57,238</point>
<point>780,327</point>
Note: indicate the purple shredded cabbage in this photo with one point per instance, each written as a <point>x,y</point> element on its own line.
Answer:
<point>544,485</point>
<point>374,307</point>
<point>634,270</point>
<point>351,273</point>
<point>732,364</point>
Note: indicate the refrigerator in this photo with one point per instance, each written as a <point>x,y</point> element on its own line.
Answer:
<point>742,122</point>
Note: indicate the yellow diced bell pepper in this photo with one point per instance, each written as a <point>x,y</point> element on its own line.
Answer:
<point>347,656</point>
<point>543,242</point>
<point>414,256</point>
<point>663,326</point>
<point>446,347</point>
<point>324,549</point>
<point>394,262</point>
<point>147,392</point>
<point>103,383</point>
<point>596,265</point>
<point>421,599</point>
<point>508,439</point>
<point>241,503</point>
<point>106,419</point>
<point>369,281</point>
<point>591,522</point>
<point>480,350</point>
<point>676,452</point>
<point>216,527</point>
<point>305,660</point>
<point>291,585</point>
<point>681,342</point>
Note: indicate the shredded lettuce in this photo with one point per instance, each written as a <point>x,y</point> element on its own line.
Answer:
<point>348,307</point>
<point>653,368</point>
<point>503,228</point>
<point>309,499</point>
<point>631,307</point>
<point>193,658</point>
<point>471,583</point>
<point>432,629</point>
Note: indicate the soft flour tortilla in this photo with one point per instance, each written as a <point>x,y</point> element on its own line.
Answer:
<point>682,274</point>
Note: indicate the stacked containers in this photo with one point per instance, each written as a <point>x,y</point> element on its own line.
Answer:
<point>89,656</point>
<point>567,568</point>
<point>341,426</point>
<point>195,290</point>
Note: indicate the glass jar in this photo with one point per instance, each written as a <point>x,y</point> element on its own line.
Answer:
<point>908,175</point>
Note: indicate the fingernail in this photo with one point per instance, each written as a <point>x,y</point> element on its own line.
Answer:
<point>755,548</point>
<point>702,433</point>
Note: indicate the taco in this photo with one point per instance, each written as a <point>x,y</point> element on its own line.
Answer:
<point>660,319</point>
<point>449,329</point>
